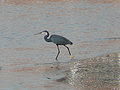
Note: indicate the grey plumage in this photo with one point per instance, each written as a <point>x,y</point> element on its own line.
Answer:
<point>58,40</point>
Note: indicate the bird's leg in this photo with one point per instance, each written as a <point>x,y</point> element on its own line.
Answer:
<point>58,52</point>
<point>68,49</point>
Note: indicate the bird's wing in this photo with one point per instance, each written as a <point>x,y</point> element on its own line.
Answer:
<point>57,39</point>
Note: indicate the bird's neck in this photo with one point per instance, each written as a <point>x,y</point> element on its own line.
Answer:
<point>46,38</point>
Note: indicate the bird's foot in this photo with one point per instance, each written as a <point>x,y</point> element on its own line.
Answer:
<point>71,57</point>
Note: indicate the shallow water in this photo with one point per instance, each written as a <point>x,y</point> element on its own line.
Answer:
<point>27,61</point>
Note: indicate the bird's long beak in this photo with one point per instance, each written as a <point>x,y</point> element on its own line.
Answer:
<point>38,33</point>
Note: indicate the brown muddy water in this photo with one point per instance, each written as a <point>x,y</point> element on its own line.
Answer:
<point>28,62</point>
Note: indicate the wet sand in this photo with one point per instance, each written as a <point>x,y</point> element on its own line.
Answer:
<point>98,73</point>
<point>28,62</point>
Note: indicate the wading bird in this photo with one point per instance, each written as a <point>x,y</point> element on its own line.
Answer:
<point>58,40</point>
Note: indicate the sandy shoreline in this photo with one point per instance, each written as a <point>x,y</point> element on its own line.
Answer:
<point>28,62</point>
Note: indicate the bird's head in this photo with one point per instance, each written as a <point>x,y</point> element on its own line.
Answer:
<point>42,32</point>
